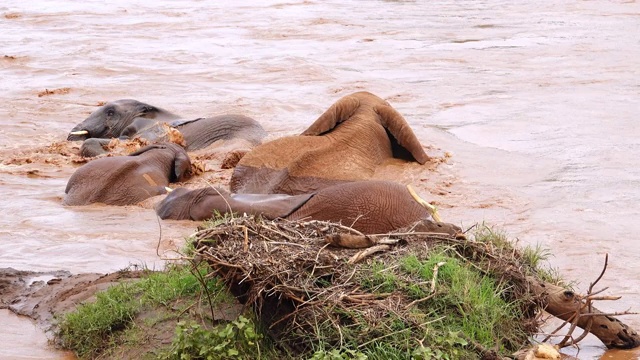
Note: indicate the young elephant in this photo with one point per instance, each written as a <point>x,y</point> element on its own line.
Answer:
<point>129,118</point>
<point>348,142</point>
<point>371,207</point>
<point>124,180</point>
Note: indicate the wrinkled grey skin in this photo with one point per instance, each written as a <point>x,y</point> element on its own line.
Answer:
<point>128,118</point>
<point>372,207</point>
<point>124,180</point>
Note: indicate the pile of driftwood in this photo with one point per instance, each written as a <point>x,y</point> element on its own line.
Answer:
<point>301,279</point>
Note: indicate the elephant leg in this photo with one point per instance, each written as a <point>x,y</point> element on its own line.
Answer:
<point>337,113</point>
<point>400,130</point>
<point>94,147</point>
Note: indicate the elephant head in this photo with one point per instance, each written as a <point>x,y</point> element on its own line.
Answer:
<point>180,162</point>
<point>123,180</point>
<point>186,204</point>
<point>121,118</point>
<point>201,204</point>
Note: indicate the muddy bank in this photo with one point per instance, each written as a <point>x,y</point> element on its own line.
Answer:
<point>40,295</point>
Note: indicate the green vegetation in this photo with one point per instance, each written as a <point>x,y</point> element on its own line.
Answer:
<point>127,320</point>
<point>235,340</point>
<point>465,306</point>
<point>437,300</point>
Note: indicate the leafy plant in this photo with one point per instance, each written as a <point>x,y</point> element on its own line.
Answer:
<point>338,354</point>
<point>235,340</point>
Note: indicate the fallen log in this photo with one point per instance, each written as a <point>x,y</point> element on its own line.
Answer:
<point>566,304</point>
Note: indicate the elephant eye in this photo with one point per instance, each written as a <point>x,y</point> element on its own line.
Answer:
<point>110,112</point>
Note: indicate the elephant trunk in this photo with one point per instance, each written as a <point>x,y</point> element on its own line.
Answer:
<point>86,130</point>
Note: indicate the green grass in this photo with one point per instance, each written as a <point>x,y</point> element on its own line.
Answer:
<point>536,257</point>
<point>466,305</point>
<point>89,329</point>
<point>94,326</point>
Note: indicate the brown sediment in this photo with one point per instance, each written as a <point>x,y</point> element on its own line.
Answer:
<point>41,295</point>
<point>61,91</point>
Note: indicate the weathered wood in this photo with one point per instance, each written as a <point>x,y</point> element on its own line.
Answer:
<point>564,304</point>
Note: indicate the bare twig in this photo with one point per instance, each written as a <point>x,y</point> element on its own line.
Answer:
<point>435,275</point>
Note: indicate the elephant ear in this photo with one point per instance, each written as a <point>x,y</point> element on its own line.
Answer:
<point>145,111</point>
<point>401,131</point>
<point>147,148</point>
<point>181,167</point>
<point>337,113</point>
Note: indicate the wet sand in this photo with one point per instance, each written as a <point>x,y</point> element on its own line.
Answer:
<point>537,104</point>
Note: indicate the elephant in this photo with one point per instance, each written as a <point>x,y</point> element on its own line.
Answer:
<point>348,142</point>
<point>371,207</point>
<point>128,118</point>
<point>125,180</point>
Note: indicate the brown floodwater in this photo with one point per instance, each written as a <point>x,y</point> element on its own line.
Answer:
<point>537,103</point>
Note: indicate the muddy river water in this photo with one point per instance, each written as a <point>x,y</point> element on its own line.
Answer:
<point>536,102</point>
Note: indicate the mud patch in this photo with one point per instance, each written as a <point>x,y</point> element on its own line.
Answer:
<point>60,91</point>
<point>58,153</point>
<point>40,295</point>
<point>12,16</point>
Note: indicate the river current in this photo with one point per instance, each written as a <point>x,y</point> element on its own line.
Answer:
<point>536,102</point>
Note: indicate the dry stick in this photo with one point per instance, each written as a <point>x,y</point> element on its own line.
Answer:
<point>339,226</point>
<point>569,336</point>
<point>246,239</point>
<point>436,235</point>
<point>419,301</point>
<point>281,234</point>
<point>315,263</point>
<point>219,193</point>
<point>566,305</point>
<point>469,229</point>
<point>159,236</point>
<point>286,243</point>
<point>367,252</point>
<point>198,276</point>
<point>435,275</point>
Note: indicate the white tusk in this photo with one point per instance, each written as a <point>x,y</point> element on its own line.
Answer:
<point>168,189</point>
<point>432,209</point>
<point>80,132</point>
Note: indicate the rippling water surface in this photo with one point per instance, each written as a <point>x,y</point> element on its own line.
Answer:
<point>537,102</point>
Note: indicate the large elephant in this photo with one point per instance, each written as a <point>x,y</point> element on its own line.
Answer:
<point>129,118</point>
<point>347,142</point>
<point>123,180</point>
<point>371,207</point>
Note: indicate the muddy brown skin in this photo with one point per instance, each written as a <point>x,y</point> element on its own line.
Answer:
<point>128,118</point>
<point>124,180</point>
<point>346,143</point>
<point>371,207</point>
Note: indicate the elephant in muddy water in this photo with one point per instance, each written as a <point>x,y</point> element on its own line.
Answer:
<point>370,207</point>
<point>124,180</point>
<point>127,118</point>
<point>347,142</point>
